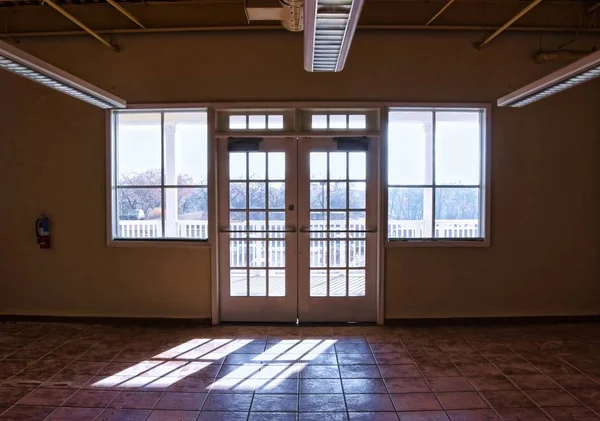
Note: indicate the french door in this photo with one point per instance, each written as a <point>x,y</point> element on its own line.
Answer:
<point>297,229</point>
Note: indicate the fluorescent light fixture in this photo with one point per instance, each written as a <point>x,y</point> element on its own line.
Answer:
<point>329,26</point>
<point>575,73</point>
<point>24,64</point>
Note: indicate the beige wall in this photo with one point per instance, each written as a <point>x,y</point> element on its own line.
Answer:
<point>545,242</point>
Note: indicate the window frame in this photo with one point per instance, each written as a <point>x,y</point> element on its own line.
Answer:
<point>485,179</point>
<point>111,180</point>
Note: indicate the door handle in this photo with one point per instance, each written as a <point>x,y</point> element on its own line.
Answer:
<point>310,231</point>
<point>286,230</point>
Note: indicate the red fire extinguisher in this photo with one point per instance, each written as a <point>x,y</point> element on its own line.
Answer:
<point>42,230</point>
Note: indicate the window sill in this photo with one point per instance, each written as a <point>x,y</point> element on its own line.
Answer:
<point>159,243</point>
<point>435,243</point>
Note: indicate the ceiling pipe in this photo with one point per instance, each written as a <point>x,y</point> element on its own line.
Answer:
<point>442,10</point>
<point>79,23</point>
<point>252,28</point>
<point>510,22</point>
<point>545,56</point>
<point>594,7</point>
<point>117,6</point>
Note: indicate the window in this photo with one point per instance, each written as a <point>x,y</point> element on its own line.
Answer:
<point>436,174</point>
<point>160,175</point>
<point>256,122</point>
<point>338,121</point>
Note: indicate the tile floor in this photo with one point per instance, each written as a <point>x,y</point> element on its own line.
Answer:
<point>60,372</point>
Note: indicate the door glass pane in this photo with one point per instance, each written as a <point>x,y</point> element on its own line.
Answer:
<point>337,166</point>
<point>276,195</point>
<point>337,253</point>
<point>337,283</point>
<point>258,283</point>
<point>258,195</point>
<point>238,253</point>
<point>277,223</point>
<point>337,195</point>
<point>277,283</point>
<point>357,282</point>
<point>318,283</point>
<point>257,165</point>
<point>237,122</point>
<point>237,165</point>
<point>358,195</point>
<point>319,121</point>
<point>318,195</point>
<point>318,253</point>
<point>277,253</point>
<point>356,253</point>
<point>276,121</point>
<point>276,165</point>
<point>238,283</point>
<point>358,222</point>
<point>238,222</point>
<point>257,223</point>
<point>357,162</point>
<point>357,121</point>
<point>318,165</point>
<point>257,253</point>
<point>237,195</point>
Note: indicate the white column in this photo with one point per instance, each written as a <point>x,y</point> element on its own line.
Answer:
<point>428,194</point>
<point>171,204</point>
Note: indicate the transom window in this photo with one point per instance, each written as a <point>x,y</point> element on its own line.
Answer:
<point>160,175</point>
<point>435,174</point>
<point>338,121</point>
<point>256,122</point>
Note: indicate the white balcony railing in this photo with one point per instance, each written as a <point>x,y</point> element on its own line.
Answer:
<point>255,253</point>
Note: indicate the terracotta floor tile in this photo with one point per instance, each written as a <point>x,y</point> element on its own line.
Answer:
<point>46,397</point>
<point>415,402</point>
<point>364,386</point>
<point>222,416</point>
<point>507,399</point>
<point>322,403</point>
<point>26,413</point>
<point>533,381</point>
<point>355,359</point>
<point>11,395</point>
<point>227,402</point>
<point>461,400</point>
<point>320,386</point>
<point>181,401</point>
<point>369,402</point>
<point>323,416</point>
<point>91,398</point>
<point>320,372</point>
<point>588,396</point>
<point>274,403</point>
<point>359,372</point>
<point>170,415</point>
<point>123,415</point>
<point>74,414</point>
<point>553,397</point>
<point>450,384</point>
<point>392,358</point>
<point>136,400</point>
<point>572,414</point>
<point>491,383</point>
<point>574,381</point>
<point>423,416</point>
<point>272,416</point>
<point>372,416</point>
<point>407,385</point>
<point>473,415</point>
<point>389,371</point>
<point>522,414</point>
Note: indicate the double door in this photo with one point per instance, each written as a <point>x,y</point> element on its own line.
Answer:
<point>297,229</point>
